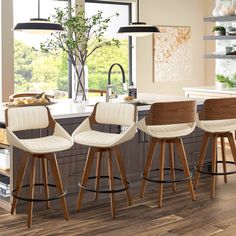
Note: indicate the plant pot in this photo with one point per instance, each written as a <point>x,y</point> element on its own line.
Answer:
<point>219,33</point>
<point>219,85</point>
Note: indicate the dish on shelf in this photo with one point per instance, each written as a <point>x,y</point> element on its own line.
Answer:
<point>231,32</point>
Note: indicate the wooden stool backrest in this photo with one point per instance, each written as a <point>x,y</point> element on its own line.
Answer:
<point>165,113</point>
<point>218,109</point>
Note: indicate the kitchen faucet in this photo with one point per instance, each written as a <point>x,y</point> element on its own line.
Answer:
<point>109,94</point>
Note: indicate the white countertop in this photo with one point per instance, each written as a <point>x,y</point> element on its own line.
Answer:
<point>211,89</point>
<point>66,108</point>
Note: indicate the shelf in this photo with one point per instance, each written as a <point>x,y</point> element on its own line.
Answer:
<point>219,56</point>
<point>5,203</point>
<point>223,37</point>
<point>219,18</point>
<point>5,172</point>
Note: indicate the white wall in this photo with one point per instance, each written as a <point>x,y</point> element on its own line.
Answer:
<point>6,50</point>
<point>172,13</point>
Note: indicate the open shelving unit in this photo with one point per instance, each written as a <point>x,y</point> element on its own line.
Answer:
<point>223,37</point>
<point>5,201</point>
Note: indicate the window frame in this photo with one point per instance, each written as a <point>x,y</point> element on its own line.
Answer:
<point>129,42</point>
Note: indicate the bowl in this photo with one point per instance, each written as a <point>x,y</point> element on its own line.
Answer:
<point>228,49</point>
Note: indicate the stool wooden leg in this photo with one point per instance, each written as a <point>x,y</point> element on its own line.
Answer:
<point>182,155</point>
<point>88,165</point>
<point>223,158</point>
<point>172,166</point>
<point>19,181</point>
<point>201,158</point>
<point>111,184</point>
<point>122,172</point>
<point>147,165</point>
<point>232,146</point>
<point>161,167</point>
<point>98,171</point>
<point>45,179</point>
<point>213,165</point>
<point>31,192</point>
<point>57,177</point>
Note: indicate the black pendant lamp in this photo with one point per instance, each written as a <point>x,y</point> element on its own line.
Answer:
<point>138,28</point>
<point>38,25</point>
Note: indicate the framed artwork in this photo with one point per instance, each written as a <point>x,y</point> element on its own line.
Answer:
<point>171,54</point>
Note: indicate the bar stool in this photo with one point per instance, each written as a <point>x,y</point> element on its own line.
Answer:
<point>166,123</point>
<point>99,142</point>
<point>218,120</point>
<point>42,148</point>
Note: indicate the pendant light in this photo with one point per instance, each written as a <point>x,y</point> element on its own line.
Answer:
<point>38,25</point>
<point>138,28</point>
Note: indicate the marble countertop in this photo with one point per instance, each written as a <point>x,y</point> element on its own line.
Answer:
<point>211,89</point>
<point>66,108</point>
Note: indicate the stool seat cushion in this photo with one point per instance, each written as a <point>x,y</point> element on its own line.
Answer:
<point>60,140</point>
<point>166,131</point>
<point>49,144</point>
<point>214,126</point>
<point>101,139</point>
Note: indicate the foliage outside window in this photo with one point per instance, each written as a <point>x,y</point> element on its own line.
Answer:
<point>37,72</point>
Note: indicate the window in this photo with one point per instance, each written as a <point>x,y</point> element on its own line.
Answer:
<point>35,71</point>
<point>100,62</point>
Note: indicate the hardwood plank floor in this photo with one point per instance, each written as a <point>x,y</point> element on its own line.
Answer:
<point>179,215</point>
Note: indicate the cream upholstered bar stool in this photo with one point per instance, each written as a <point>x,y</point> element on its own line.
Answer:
<point>123,115</point>
<point>167,123</point>
<point>41,148</point>
<point>218,120</point>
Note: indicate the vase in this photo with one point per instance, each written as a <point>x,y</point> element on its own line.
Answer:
<point>232,8</point>
<point>80,85</point>
<point>224,11</point>
<point>217,8</point>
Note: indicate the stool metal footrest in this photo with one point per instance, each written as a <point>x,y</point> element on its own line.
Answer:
<point>38,199</point>
<point>207,164</point>
<point>167,181</point>
<point>105,191</point>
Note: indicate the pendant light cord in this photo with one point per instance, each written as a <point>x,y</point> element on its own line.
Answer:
<point>38,9</point>
<point>137,10</point>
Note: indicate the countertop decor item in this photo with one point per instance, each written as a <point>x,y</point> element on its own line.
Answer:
<point>81,38</point>
<point>38,25</point>
<point>30,99</point>
<point>219,30</point>
<point>138,28</point>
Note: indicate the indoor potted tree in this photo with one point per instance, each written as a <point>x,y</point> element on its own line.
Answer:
<point>81,38</point>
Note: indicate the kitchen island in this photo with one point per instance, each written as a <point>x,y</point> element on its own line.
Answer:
<point>209,92</point>
<point>71,162</point>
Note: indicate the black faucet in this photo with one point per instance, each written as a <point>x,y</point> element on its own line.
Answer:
<point>109,85</point>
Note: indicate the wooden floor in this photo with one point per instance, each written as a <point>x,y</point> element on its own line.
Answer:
<point>178,216</point>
